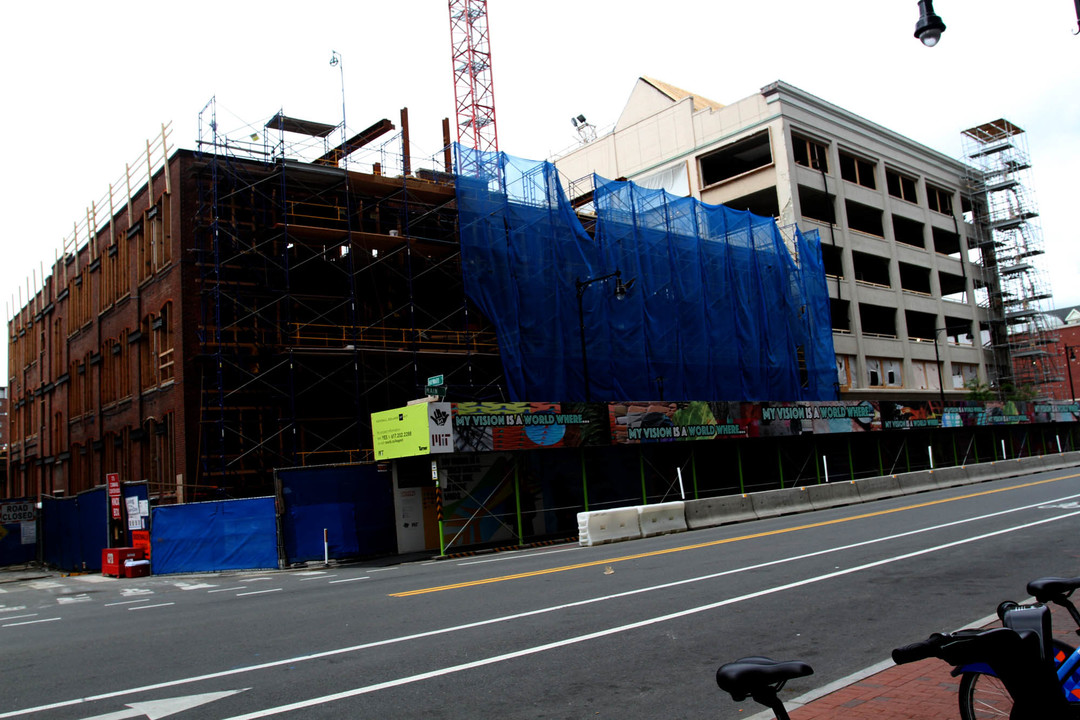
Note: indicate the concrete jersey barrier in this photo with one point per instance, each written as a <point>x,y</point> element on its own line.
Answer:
<point>604,526</point>
<point>662,518</point>
<point>711,512</point>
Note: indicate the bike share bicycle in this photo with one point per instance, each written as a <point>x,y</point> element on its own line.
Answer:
<point>1017,671</point>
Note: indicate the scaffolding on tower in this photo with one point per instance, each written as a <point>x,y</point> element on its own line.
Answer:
<point>474,89</point>
<point>1011,243</point>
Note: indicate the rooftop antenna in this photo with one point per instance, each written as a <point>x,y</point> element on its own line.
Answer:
<point>335,61</point>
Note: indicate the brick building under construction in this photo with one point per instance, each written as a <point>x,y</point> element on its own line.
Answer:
<point>242,307</point>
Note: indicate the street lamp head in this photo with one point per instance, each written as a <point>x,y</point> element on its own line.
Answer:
<point>929,28</point>
<point>623,289</point>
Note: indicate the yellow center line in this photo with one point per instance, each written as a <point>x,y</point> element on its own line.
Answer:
<point>712,543</point>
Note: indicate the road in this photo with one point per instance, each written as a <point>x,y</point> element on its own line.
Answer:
<point>631,630</point>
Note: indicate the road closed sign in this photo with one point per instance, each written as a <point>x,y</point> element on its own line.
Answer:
<point>16,512</point>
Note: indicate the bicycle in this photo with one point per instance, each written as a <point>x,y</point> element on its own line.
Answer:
<point>984,695</point>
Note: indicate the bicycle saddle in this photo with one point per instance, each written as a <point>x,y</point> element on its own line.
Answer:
<point>747,676</point>
<point>1048,588</point>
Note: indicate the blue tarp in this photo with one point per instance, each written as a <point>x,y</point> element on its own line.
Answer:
<point>719,310</point>
<point>354,504</point>
<point>211,536</point>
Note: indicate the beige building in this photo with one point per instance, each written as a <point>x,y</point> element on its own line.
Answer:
<point>894,219</point>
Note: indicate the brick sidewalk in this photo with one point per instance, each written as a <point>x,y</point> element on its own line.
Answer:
<point>917,691</point>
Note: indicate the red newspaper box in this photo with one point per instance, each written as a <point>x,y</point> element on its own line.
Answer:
<point>112,559</point>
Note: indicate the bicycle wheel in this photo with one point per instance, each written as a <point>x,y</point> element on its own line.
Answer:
<point>983,697</point>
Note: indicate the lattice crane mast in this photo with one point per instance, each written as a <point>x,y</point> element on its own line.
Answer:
<point>474,91</point>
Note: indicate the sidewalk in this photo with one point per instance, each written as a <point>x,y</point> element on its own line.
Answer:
<point>917,691</point>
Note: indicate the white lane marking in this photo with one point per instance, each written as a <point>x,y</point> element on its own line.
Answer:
<point>70,599</point>
<point>16,617</point>
<point>385,569</point>
<point>14,608</point>
<point>319,577</point>
<point>147,607</point>
<point>555,608</point>
<point>519,555</point>
<point>28,622</point>
<point>156,709</point>
<point>621,628</point>
<point>258,592</point>
<point>127,602</point>
<point>335,582</point>
<point>312,572</point>
<point>95,579</point>
<point>193,586</point>
<point>128,592</point>
<point>238,587</point>
<point>43,584</point>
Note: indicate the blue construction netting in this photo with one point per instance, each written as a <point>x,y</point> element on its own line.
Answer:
<point>719,308</point>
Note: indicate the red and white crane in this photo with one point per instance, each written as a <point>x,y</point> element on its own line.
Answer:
<point>474,90</point>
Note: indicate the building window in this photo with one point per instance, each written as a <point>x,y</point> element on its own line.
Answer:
<point>163,343</point>
<point>844,364</point>
<point>864,218</point>
<point>884,372</point>
<point>163,453</point>
<point>154,241</point>
<point>925,373</point>
<point>147,358</point>
<point>939,200</point>
<point>739,157</point>
<point>964,373</point>
<point>857,170</point>
<point>810,153</point>
<point>901,186</point>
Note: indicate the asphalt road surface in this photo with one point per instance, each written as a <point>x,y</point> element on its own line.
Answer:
<point>630,630</point>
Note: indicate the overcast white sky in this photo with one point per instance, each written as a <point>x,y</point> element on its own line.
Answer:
<point>85,84</point>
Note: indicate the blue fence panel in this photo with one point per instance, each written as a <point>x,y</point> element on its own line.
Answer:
<point>212,536</point>
<point>93,509</point>
<point>354,504</point>
<point>13,551</point>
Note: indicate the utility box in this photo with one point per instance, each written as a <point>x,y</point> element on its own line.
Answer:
<point>112,559</point>
<point>136,568</point>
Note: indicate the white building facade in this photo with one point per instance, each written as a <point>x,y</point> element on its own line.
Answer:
<point>893,215</point>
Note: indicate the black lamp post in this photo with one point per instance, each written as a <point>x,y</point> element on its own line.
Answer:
<point>940,374</point>
<point>621,289</point>
<point>1070,355</point>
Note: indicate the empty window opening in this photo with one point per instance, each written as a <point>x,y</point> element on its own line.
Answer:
<point>915,279</point>
<point>953,287</point>
<point>958,331</point>
<point>841,315</point>
<point>946,242</point>
<point>939,200</point>
<point>864,218</point>
<point>857,170</point>
<point>737,158</point>
<point>810,153</point>
<point>817,205</point>
<point>872,269</point>
<point>901,186</point>
<point>908,232</point>
<point>877,320</point>
<point>832,259</point>
<point>926,375</point>
<point>762,202</point>
<point>920,325</point>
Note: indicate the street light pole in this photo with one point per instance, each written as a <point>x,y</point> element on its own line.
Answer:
<point>621,290</point>
<point>940,373</point>
<point>1070,355</point>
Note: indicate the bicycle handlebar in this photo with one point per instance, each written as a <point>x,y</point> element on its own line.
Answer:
<point>928,648</point>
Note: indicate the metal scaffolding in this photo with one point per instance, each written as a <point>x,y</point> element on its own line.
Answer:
<point>1010,240</point>
<point>326,292</point>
